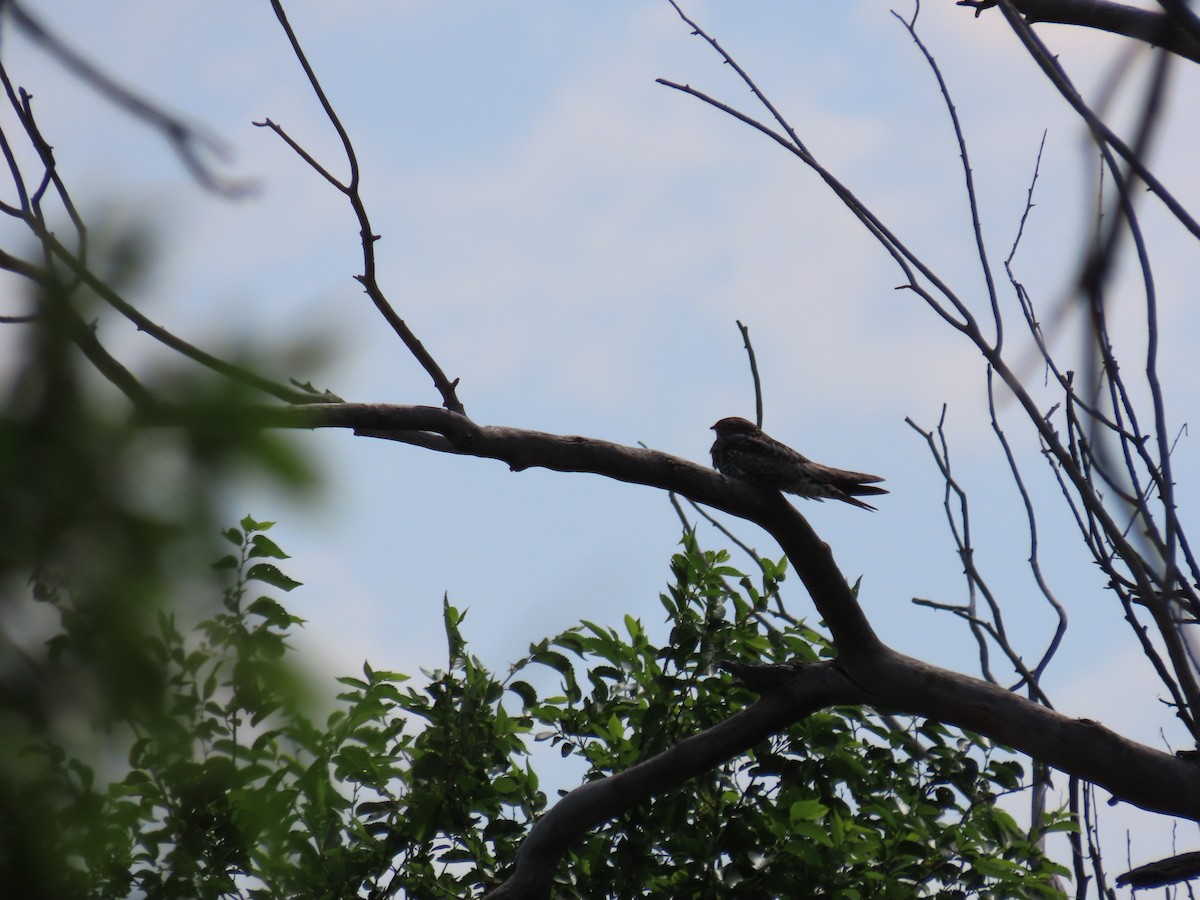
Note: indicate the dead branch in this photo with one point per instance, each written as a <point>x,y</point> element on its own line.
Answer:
<point>889,680</point>
<point>350,188</point>
<point>1174,30</point>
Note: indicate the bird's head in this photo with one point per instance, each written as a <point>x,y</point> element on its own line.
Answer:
<point>734,425</point>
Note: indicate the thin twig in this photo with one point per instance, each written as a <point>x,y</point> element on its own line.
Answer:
<point>968,178</point>
<point>188,141</point>
<point>729,535</point>
<point>1058,77</point>
<point>368,278</point>
<point>1029,204</point>
<point>1031,522</point>
<point>165,337</point>
<point>962,540</point>
<point>758,401</point>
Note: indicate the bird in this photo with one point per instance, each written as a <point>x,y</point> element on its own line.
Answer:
<point>745,452</point>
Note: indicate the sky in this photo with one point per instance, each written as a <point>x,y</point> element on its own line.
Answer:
<point>576,242</point>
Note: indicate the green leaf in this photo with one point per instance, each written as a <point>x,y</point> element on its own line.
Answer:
<point>1069,825</point>
<point>452,618</point>
<point>803,810</point>
<point>555,661</point>
<point>269,574</point>
<point>273,612</point>
<point>261,545</point>
<point>811,830</point>
<point>525,691</point>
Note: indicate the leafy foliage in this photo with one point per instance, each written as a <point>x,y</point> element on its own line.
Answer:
<point>842,804</point>
<point>231,790</point>
<point>105,523</point>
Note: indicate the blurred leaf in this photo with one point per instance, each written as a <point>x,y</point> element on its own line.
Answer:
<point>269,574</point>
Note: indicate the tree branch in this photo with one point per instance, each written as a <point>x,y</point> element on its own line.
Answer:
<point>1131,772</point>
<point>810,689</point>
<point>1104,136</point>
<point>189,141</point>
<point>367,236</point>
<point>1171,32</point>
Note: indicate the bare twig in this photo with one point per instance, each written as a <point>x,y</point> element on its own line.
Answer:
<point>1029,204</point>
<point>687,526</point>
<point>758,401</point>
<point>1079,462</point>
<point>165,337</point>
<point>968,178</point>
<point>732,63</point>
<point>962,539</point>
<point>63,270</point>
<point>907,260</point>
<point>1104,135</point>
<point>350,188</point>
<point>1092,831</point>
<point>729,535</point>
<point>190,143</point>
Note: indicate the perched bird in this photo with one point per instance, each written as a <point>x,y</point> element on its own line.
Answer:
<point>743,451</point>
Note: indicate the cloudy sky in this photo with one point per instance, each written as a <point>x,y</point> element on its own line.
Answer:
<point>575,242</point>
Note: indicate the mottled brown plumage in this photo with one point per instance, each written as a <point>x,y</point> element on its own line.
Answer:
<point>743,451</point>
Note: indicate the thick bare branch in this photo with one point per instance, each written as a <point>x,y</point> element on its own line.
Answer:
<point>1079,462</point>
<point>1104,136</point>
<point>809,689</point>
<point>1132,772</point>
<point>1169,30</point>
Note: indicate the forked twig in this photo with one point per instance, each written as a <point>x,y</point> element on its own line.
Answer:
<point>350,188</point>
<point>189,142</point>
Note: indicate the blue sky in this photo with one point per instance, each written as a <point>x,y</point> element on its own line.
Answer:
<point>576,242</point>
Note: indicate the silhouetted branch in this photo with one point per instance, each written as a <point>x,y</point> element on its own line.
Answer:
<point>865,669</point>
<point>1034,564</point>
<point>940,451</point>
<point>1176,31</point>
<point>809,689</point>
<point>1077,462</point>
<point>350,188</point>
<point>63,270</point>
<point>758,400</point>
<point>968,177</point>
<point>1105,136</point>
<point>1182,16</point>
<point>1162,872</point>
<point>861,654</point>
<point>189,141</point>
